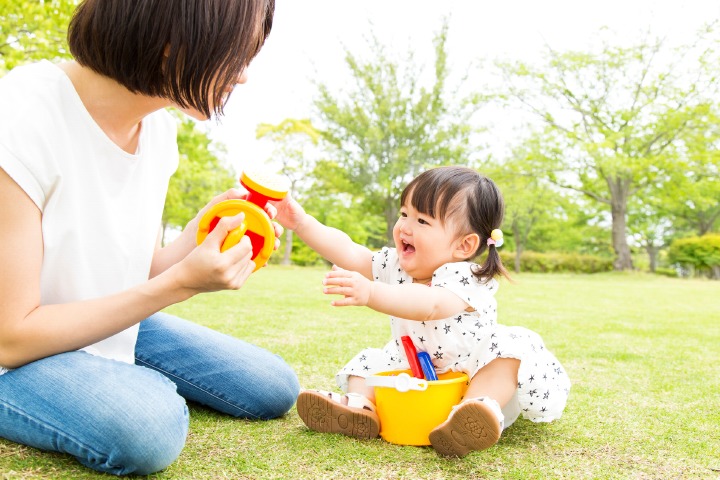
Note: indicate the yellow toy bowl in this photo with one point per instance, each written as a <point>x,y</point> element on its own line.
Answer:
<point>408,417</point>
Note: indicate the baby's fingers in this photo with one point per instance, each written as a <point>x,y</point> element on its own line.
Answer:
<point>344,302</point>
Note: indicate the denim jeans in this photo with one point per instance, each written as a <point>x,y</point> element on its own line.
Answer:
<point>120,418</point>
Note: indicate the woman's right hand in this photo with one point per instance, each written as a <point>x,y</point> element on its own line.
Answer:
<point>207,269</point>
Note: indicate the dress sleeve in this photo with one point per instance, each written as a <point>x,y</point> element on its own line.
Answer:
<point>459,279</point>
<point>384,265</point>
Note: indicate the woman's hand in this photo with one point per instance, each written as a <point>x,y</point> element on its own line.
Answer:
<point>353,286</point>
<point>233,194</point>
<point>207,269</point>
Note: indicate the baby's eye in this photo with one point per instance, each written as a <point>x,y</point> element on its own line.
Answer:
<point>403,214</point>
<point>422,222</point>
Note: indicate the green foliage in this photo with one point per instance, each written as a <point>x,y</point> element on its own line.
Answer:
<point>618,122</point>
<point>699,253</point>
<point>666,272</point>
<point>32,30</point>
<point>388,127</point>
<point>536,262</point>
<point>199,177</point>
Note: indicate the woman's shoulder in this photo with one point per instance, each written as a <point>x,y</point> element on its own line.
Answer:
<point>41,78</point>
<point>31,94</point>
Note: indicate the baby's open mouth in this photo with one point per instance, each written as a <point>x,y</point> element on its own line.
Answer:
<point>407,248</point>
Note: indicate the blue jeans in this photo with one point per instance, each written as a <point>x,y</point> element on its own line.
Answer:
<point>120,418</point>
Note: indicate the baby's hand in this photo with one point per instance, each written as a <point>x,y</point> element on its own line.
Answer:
<point>353,286</point>
<point>288,212</point>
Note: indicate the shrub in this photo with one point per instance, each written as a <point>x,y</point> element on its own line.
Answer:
<point>699,253</point>
<point>536,262</point>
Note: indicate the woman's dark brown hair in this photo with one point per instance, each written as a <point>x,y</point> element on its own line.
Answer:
<point>468,197</point>
<point>188,51</point>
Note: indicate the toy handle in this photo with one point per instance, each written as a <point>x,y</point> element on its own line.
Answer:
<point>401,383</point>
<point>411,355</point>
<point>234,236</point>
<point>427,366</point>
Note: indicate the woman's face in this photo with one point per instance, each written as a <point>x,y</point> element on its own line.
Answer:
<point>197,115</point>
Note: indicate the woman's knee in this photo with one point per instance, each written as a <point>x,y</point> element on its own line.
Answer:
<point>277,393</point>
<point>141,434</point>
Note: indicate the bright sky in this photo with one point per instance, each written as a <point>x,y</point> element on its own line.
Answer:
<point>309,36</point>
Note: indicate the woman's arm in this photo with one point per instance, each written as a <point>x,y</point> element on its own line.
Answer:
<point>332,244</point>
<point>29,331</point>
<point>411,301</point>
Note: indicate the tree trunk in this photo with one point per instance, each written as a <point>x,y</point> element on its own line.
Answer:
<point>619,194</point>
<point>518,245</point>
<point>288,248</point>
<point>652,252</point>
<point>391,213</point>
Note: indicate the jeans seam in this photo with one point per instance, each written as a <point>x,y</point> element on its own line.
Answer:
<point>201,388</point>
<point>52,428</point>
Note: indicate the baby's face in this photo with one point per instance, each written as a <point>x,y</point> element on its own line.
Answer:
<point>423,243</point>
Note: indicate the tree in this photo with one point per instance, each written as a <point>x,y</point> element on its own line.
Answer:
<point>199,177</point>
<point>690,196</point>
<point>292,139</point>
<point>32,30</point>
<point>388,127</point>
<point>614,120</point>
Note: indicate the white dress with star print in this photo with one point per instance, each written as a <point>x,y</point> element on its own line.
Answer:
<point>467,341</point>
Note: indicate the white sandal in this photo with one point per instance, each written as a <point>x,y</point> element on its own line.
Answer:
<point>327,413</point>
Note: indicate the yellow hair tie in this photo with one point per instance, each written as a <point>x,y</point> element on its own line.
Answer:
<point>496,238</point>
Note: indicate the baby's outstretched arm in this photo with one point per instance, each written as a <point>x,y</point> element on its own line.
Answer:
<point>412,301</point>
<point>332,244</point>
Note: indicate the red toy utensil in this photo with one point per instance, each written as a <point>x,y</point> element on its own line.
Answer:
<point>411,354</point>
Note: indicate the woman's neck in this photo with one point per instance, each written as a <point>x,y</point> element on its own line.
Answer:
<point>116,110</point>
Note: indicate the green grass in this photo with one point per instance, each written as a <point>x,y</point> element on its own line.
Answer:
<point>643,354</point>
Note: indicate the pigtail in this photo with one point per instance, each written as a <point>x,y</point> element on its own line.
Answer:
<point>492,267</point>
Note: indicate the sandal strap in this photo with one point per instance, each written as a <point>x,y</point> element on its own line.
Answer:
<point>356,400</point>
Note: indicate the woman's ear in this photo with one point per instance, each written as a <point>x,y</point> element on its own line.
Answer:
<point>467,246</point>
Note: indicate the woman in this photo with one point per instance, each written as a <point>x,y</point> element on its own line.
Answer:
<point>86,150</point>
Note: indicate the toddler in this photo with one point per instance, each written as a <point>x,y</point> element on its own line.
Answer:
<point>445,303</point>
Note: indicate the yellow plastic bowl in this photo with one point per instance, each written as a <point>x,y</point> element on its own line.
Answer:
<point>407,418</point>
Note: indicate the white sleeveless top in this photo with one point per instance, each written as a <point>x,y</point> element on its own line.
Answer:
<point>101,206</point>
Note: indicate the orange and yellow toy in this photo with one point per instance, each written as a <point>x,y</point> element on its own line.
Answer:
<point>257,225</point>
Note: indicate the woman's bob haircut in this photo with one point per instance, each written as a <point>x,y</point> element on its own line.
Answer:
<point>188,51</point>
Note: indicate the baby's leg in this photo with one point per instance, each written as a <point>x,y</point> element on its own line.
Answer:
<point>358,385</point>
<point>497,380</point>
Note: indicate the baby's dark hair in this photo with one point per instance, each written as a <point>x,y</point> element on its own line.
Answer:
<point>472,200</point>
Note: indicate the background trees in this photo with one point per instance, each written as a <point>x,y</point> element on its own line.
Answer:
<point>33,30</point>
<point>389,125</point>
<point>617,123</point>
<point>201,175</point>
<point>617,155</point>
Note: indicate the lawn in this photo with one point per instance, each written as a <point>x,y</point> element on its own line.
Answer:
<point>643,353</point>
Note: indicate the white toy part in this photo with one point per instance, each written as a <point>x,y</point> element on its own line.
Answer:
<point>402,382</point>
